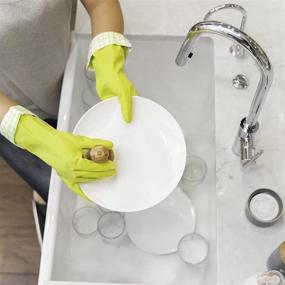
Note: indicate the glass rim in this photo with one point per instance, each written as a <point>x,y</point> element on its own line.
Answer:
<point>200,238</point>
<point>204,168</point>
<point>78,211</point>
<point>111,213</point>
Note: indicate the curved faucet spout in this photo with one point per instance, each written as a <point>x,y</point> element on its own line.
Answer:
<point>249,44</point>
<point>229,6</point>
<point>249,125</point>
<point>236,50</point>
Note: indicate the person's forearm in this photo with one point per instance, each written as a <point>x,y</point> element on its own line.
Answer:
<point>5,104</point>
<point>105,15</point>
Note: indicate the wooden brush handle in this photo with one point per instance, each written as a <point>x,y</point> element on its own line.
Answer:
<point>99,154</point>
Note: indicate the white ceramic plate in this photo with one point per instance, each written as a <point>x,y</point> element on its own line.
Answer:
<point>158,230</point>
<point>150,154</point>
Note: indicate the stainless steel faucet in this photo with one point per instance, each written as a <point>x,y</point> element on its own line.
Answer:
<point>244,143</point>
<point>235,50</point>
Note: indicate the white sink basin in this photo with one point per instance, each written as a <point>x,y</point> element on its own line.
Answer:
<point>188,93</point>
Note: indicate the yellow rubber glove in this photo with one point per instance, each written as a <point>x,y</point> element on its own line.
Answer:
<point>62,151</point>
<point>111,80</point>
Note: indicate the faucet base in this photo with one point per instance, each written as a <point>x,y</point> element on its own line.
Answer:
<point>244,146</point>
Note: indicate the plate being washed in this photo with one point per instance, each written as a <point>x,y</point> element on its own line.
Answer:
<point>158,230</point>
<point>150,154</point>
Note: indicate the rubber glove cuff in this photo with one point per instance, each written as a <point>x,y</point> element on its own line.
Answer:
<point>9,123</point>
<point>102,40</point>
